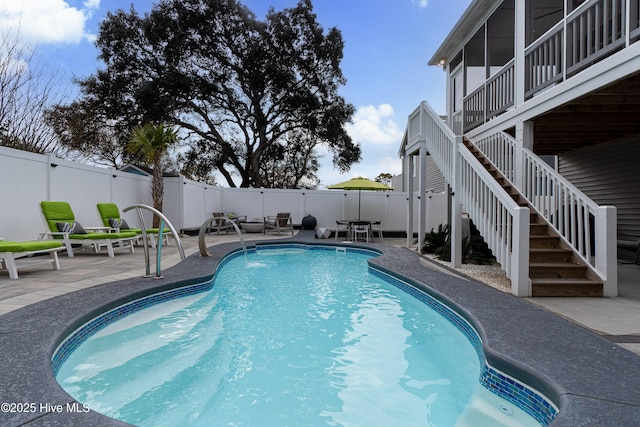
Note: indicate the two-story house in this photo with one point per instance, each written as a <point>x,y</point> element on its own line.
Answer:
<point>541,142</point>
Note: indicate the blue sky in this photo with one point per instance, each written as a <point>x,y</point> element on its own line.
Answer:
<point>387,46</point>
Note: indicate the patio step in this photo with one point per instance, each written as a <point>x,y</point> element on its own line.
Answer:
<point>565,288</point>
<point>554,271</point>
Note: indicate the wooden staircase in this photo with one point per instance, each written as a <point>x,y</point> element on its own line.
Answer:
<point>554,269</point>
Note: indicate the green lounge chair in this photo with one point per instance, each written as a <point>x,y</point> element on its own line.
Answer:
<point>110,216</point>
<point>61,224</point>
<point>15,255</point>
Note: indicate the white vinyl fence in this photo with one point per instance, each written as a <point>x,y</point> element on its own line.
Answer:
<point>28,178</point>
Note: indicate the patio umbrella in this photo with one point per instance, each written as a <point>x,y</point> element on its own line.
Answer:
<point>360,184</point>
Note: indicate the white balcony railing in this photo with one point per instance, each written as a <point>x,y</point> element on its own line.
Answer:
<point>593,31</point>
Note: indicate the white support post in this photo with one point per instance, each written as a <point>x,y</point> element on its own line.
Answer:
<point>520,282</point>
<point>606,250</point>
<point>455,229</point>
<point>50,166</point>
<point>422,194</point>
<point>524,139</point>
<point>520,44</point>
<point>408,176</point>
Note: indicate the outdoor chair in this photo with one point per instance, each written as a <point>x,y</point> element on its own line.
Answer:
<point>342,225</point>
<point>360,228</point>
<point>110,216</point>
<point>280,222</point>
<point>61,223</point>
<point>18,255</point>
<point>376,227</point>
<point>220,223</point>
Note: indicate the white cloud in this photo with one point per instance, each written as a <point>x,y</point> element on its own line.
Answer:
<point>47,21</point>
<point>392,165</point>
<point>379,137</point>
<point>374,125</point>
<point>421,3</point>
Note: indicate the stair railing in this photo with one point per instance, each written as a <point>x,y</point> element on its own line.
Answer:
<point>503,224</point>
<point>440,139</point>
<point>589,229</point>
<point>145,240</point>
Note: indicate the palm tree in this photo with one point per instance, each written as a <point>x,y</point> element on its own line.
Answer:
<point>152,141</point>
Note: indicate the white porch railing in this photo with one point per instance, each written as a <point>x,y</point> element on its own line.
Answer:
<point>503,224</point>
<point>579,221</point>
<point>594,30</point>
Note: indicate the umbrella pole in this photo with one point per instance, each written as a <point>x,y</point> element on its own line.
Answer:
<point>359,192</point>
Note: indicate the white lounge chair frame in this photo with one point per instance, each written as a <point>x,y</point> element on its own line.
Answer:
<point>95,243</point>
<point>12,261</point>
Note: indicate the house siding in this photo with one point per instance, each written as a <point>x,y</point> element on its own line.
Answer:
<point>609,175</point>
<point>435,181</point>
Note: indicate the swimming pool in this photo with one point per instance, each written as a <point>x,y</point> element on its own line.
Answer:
<point>360,342</point>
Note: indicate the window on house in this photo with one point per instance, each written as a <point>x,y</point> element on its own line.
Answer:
<point>500,36</point>
<point>458,91</point>
<point>475,70</point>
<point>573,5</point>
<point>542,16</point>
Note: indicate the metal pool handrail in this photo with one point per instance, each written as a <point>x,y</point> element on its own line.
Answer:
<point>203,232</point>
<point>145,240</point>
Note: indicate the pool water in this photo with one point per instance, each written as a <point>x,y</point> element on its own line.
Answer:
<point>286,337</point>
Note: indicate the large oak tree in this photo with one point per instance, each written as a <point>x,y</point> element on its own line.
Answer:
<point>243,91</point>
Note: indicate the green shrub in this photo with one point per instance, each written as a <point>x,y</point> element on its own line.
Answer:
<point>474,248</point>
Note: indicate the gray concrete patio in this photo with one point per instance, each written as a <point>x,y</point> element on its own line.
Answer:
<point>617,319</point>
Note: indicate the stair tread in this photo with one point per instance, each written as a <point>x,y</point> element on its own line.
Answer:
<point>556,264</point>
<point>564,281</point>
<point>550,250</point>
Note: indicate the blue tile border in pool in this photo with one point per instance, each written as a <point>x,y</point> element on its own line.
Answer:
<point>521,395</point>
